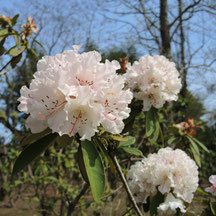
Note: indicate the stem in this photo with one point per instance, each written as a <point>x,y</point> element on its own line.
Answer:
<point>76,200</point>
<point>130,195</point>
<point>2,69</point>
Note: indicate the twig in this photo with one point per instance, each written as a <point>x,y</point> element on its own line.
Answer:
<point>130,195</point>
<point>76,200</point>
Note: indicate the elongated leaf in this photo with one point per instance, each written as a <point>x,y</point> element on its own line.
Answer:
<point>149,123</point>
<point>34,137</point>
<point>14,19</point>
<point>133,151</point>
<point>196,156</point>
<point>194,145</point>
<point>213,208</point>
<point>4,32</point>
<point>15,60</point>
<point>129,140</point>
<point>15,51</point>
<point>32,151</point>
<point>152,126</point>
<point>80,160</point>
<point>200,144</point>
<point>94,169</point>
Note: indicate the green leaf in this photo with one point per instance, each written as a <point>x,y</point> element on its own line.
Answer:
<point>200,144</point>
<point>15,60</point>
<point>129,140</point>
<point>32,151</point>
<point>133,151</point>
<point>196,155</point>
<point>4,32</point>
<point>64,140</point>
<point>27,140</point>
<point>3,115</point>
<point>81,164</point>
<point>152,126</point>
<point>213,208</point>
<point>155,202</point>
<point>94,169</point>
<point>15,50</point>
<point>201,191</point>
<point>14,19</point>
<point>171,140</point>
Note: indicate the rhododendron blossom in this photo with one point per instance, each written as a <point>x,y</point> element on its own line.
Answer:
<point>154,80</point>
<point>170,206</point>
<point>168,171</point>
<point>75,93</point>
<point>212,189</point>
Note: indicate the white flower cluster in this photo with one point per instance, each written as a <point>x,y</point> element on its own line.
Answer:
<point>171,172</point>
<point>154,80</point>
<point>75,93</point>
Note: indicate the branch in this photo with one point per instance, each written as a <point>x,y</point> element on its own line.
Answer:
<point>73,204</point>
<point>191,6</point>
<point>130,195</point>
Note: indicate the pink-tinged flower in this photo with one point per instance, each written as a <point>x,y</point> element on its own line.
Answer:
<point>166,171</point>
<point>212,189</point>
<point>154,80</point>
<point>75,93</point>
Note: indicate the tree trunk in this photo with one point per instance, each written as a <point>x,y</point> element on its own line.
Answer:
<point>164,30</point>
<point>183,71</point>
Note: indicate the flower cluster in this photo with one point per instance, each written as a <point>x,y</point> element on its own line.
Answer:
<point>212,189</point>
<point>75,93</point>
<point>171,172</point>
<point>154,80</point>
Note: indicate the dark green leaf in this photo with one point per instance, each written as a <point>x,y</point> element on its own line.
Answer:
<point>155,202</point>
<point>15,51</point>
<point>129,140</point>
<point>152,126</point>
<point>15,60</point>
<point>14,19</point>
<point>200,144</point>
<point>196,155</point>
<point>213,208</point>
<point>133,151</point>
<point>81,164</point>
<point>2,50</point>
<point>64,140</point>
<point>27,140</point>
<point>94,169</point>
<point>32,151</point>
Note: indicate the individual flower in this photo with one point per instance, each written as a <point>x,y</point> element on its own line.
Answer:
<point>170,206</point>
<point>154,80</point>
<point>212,189</point>
<point>188,127</point>
<point>168,171</point>
<point>29,28</point>
<point>75,93</point>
